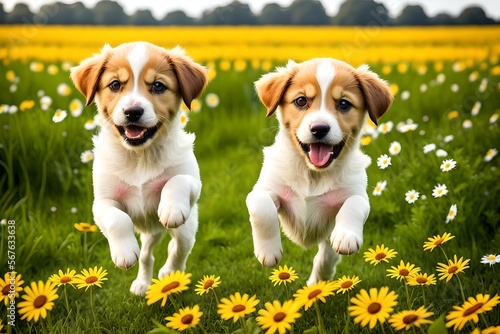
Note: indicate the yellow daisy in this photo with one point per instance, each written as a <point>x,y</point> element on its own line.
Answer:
<point>237,306</point>
<point>283,275</point>
<point>346,283</point>
<point>368,309</point>
<point>421,279</point>
<point>185,318</point>
<point>10,286</point>
<point>308,295</point>
<point>90,277</point>
<point>277,317</point>
<point>437,240</point>
<point>64,278</point>
<point>470,310</point>
<point>447,271</point>
<point>411,318</point>
<point>26,105</point>
<point>207,283</point>
<point>86,227</point>
<point>402,271</point>
<point>160,289</point>
<point>38,299</point>
<point>489,330</point>
<point>381,253</point>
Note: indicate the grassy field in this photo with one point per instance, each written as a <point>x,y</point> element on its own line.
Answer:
<point>447,107</point>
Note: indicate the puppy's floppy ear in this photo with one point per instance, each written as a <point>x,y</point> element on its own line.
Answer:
<point>271,87</point>
<point>192,77</point>
<point>378,96</point>
<point>86,75</point>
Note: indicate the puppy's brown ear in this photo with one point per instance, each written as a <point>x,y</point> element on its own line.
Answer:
<point>86,75</point>
<point>271,87</point>
<point>192,77</point>
<point>378,96</point>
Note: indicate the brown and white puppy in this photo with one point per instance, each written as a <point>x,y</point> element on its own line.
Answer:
<point>145,174</point>
<point>313,179</point>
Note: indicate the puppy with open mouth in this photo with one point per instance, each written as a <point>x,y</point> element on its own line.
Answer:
<point>145,174</point>
<point>313,179</point>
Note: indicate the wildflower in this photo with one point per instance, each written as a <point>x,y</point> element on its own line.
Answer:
<point>38,299</point>
<point>277,317</point>
<point>13,88</point>
<point>366,140</point>
<point>90,124</point>
<point>455,88</point>
<point>195,105</point>
<point>212,100</point>
<point>346,283</point>
<point>266,65</point>
<point>452,213</point>
<point>381,253</point>
<point>448,165</point>
<point>492,152</point>
<point>385,127</point>
<point>240,65</point>
<point>437,240</point>
<point>493,118</point>
<point>448,138</point>
<point>429,148</point>
<point>458,66</point>
<point>183,118</point>
<point>440,78</point>
<point>473,76</point>
<point>386,69</point>
<point>225,65</point>
<point>379,188</point>
<point>86,227</point>
<point>441,153</point>
<point>402,68</point>
<point>395,148</point>
<point>63,89</point>
<point>467,124</point>
<point>423,88</point>
<point>405,95</point>
<point>483,85</point>
<point>490,259</point>
<point>283,275</point>
<point>26,105</point>
<point>52,69</point>
<point>185,318</point>
<point>160,289</point>
<point>447,271</point>
<point>402,271</point>
<point>492,329</point>
<point>410,318</point>
<point>207,283</point>
<point>36,66</point>
<point>368,309</point>
<point>45,102</point>
<point>10,75</point>
<point>411,196</point>
<point>87,156</point>
<point>76,107</point>
<point>63,278</point>
<point>475,108</point>
<point>421,279</point>
<point>308,295</point>
<point>452,114</point>
<point>422,69</point>
<point>470,310</point>
<point>91,277</point>
<point>439,190</point>
<point>383,161</point>
<point>237,306</point>
<point>59,116</point>
<point>8,289</point>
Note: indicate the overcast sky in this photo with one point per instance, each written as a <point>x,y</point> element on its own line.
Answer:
<point>195,8</point>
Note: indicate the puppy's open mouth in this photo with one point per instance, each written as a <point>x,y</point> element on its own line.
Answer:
<point>320,154</point>
<point>136,135</point>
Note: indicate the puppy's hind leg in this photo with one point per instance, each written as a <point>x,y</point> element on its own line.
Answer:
<point>146,260</point>
<point>324,264</point>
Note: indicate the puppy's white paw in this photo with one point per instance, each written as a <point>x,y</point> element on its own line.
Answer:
<point>165,270</point>
<point>345,241</point>
<point>268,252</point>
<point>124,252</point>
<point>139,287</point>
<point>173,214</point>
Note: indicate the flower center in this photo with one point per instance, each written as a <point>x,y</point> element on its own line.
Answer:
<point>472,309</point>
<point>440,240</point>
<point>313,294</point>
<point>65,279</point>
<point>40,301</point>
<point>374,308</point>
<point>380,256</point>
<point>410,318</point>
<point>278,317</point>
<point>452,269</point>
<point>403,272</point>
<point>346,284</point>
<point>421,280</point>
<point>187,319</point>
<point>491,258</point>
<point>208,284</point>
<point>170,286</point>
<point>91,279</point>
<point>238,308</point>
<point>6,290</point>
<point>284,276</point>
<point>452,213</point>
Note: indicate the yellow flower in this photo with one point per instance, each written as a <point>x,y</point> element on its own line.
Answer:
<point>86,227</point>
<point>225,65</point>
<point>237,306</point>
<point>91,277</point>
<point>283,275</point>
<point>421,279</point>
<point>404,320</point>
<point>438,66</point>
<point>10,286</point>
<point>10,75</point>
<point>366,140</point>
<point>76,107</point>
<point>212,73</point>
<point>386,69</point>
<point>63,89</point>
<point>346,283</point>
<point>36,66</point>
<point>368,309</point>
<point>402,271</point>
<point>394,88</point>
<point>447,271</point>
<point>453,114</point>
<point>489,330</point>
<point>277,317</point>
<point>240,65</point>
<point>470,310</point>
<point>402,68</point>
<point>63,278</point>
<point>185,318</point>
<point>266,65</point>
<point>195,105</point>
<point>308,295</point>
<point>38,299</point>
<point>207,283</point>
<point>52,69</point>
<point>160,289</point>
<point>437,240</point>
<point>26,105</point>
<point>381,253</point>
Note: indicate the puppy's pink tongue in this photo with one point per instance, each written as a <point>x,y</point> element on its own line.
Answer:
<point>134,132</point>
<point>320,154</point>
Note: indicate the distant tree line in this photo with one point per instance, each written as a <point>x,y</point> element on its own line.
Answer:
<point>300,12</point>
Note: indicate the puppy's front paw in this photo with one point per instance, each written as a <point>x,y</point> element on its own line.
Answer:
<point>173,214</point>
<point>268,252</point>
<point>139,287</point>
<point>124,252</point>
<point>345,241</point>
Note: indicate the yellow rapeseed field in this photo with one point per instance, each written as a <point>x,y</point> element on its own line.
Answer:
<point>353,44</point>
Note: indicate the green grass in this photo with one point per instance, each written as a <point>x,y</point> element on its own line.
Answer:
<point>45,188</point>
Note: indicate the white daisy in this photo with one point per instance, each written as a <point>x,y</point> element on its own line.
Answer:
<point>13,88</point>
<point>407,127</point>
<point>448,138</point>
<point>385,127</point>
<point>473,76</point>
<point>455,88</point>
<point>490,259</point>
<point>212,100</point>
<point>411,196</point>
<point>494,118</point>
<point>439,190</point>
<point>483,85</point>
<point>45,102</point>
<point>405,95</point>
<point>183,118</point>
<point>492,152</point>
<point>384,161</point>
<point>379,188</point>
<point>452,213</point>
<point>475,108</point>
<point>440,78</point>
<point>76,107</point>
<point>395,148</point>
<point>59,116</point>
<point>13,109</point>
<point>448,165</point>
<point>429,148</point>
<point>87,156</point>
<point>63,89</point>
<point>423,88</point>
<point>90,124</point>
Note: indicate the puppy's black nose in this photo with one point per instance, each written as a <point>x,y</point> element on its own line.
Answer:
<point>133,113</point>
<point>319,130</point>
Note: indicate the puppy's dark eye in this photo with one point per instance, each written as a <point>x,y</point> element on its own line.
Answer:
<point>158,87</point>
<point>115,86</point>
<point>300,102</point>
<point>344,106</point>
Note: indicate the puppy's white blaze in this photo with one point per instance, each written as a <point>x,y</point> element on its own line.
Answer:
<point>137,59</point>
<point>325,74</point>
